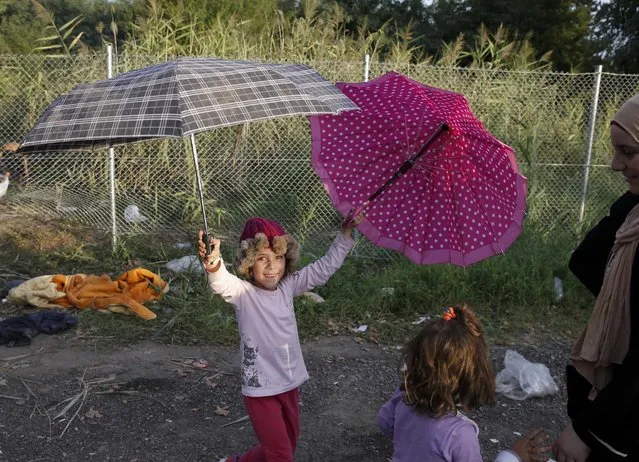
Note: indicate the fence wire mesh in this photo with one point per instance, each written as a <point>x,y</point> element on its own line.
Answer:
<point>264,168</point>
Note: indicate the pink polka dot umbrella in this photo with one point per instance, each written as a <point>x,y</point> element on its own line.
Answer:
<point>434,183</point>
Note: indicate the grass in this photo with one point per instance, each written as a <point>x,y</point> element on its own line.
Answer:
<point>512,293</point>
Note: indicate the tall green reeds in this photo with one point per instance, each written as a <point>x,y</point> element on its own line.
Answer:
<point>543,115</point>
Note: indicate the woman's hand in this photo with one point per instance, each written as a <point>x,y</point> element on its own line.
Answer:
<point>351,222</point>
<point>211,261</point>
<point>569,447</point>
<point>533,446</point>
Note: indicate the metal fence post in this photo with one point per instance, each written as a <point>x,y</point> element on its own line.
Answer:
<point>114,228</point>
<point>591,137</point>
<point>367,66</point>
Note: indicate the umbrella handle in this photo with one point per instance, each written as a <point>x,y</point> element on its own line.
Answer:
<point>356,211</point>
<point>206,239</point>
<point>196,164</point>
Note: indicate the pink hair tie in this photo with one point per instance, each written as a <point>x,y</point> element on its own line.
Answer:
<point>449,314</point>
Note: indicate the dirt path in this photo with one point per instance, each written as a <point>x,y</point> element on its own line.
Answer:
<point>146,403</point>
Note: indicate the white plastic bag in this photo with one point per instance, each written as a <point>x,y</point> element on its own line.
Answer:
<point>132,214</point>
<point>522,379</point>
<point>312,296</point>
<point>186,263</point>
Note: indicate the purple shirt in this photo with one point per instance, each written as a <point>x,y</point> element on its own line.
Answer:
<point>419,437</point>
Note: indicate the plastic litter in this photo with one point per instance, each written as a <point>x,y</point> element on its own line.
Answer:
<point>4,183</point>
<point>421,320</point>
<point>186,263</point>
<point>66,208</point>
<point>521,379</point>
<point>558,286</point>
<point>312,296</point>
<point>132,214</point>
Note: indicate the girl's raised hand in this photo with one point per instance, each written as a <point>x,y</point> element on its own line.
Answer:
<point>351,222</point>
<point>211,261</point>
<point>534,446</point>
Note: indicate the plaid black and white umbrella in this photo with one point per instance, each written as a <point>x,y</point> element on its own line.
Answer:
<point>179,98</point>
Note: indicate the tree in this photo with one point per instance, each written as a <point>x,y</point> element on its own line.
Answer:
<point>445,21</point>
<point>558,25</point>
<point>616,30</point>
<point>19,28</point>
<point>102,20</point>
<point>374,14</point>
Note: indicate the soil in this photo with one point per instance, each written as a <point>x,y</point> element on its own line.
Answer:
<point>158,402</point>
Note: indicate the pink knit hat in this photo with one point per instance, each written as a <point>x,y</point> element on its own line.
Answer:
<point>265,226</point>
<point>261,233</point>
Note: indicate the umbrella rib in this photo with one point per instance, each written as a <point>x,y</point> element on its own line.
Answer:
<point>422,119</point>
<point>447,171</point>
<point>495,191</point>
<point>426,165</point>
<point>451,170</point>
<point>415,216</point>
<point>487,220</point>
<point>372,162</point>
<point>409,148</point>
<point>458,228</point>
<point>496,238</point>
<point>502,198</point>
<point>433,167</point>
<point>426,197</point>
<point>449,157</point>
<point>382,147</point>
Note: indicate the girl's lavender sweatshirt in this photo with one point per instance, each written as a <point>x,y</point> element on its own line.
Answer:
<point>271,356</point>
<point>417,438</point>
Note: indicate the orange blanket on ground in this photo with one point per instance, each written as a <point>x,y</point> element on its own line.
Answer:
<point>130,290</point>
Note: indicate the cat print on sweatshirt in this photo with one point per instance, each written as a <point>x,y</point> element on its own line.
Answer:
<point>251,376</point>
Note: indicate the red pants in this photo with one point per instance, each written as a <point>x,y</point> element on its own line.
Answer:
<point>276,422</point>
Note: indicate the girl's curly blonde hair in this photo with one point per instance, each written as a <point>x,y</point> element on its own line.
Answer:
<point>447,366</point>
<point>251,247</point>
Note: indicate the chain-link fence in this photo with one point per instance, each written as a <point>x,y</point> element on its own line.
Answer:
<point>264,168</point>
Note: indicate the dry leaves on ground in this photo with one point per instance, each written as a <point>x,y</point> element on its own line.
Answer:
<point>93,414</point>
<point>223,411</point>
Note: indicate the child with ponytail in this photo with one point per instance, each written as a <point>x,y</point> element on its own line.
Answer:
<point>447,370</point>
